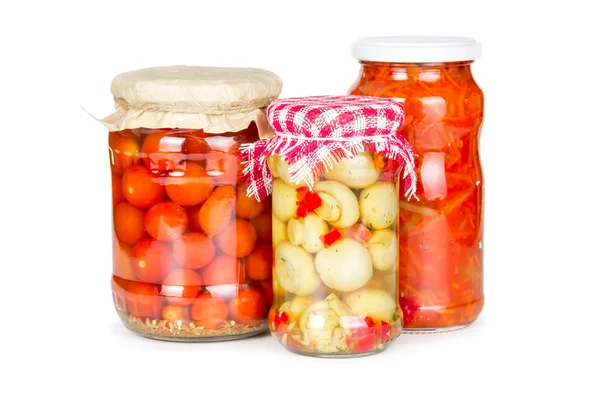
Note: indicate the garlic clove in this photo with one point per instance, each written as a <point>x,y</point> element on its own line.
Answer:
<point>383,247</point>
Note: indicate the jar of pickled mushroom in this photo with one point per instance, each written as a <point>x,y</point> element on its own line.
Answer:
<point>334,166</point>
<point>440,241</point>
<point>192,253</point>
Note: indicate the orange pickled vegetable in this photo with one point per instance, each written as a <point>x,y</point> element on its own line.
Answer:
<point>216,212</point>
<point>440,271</point>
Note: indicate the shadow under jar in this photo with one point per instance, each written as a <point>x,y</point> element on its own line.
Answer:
<point>441,235</point>
<point>192,253</point>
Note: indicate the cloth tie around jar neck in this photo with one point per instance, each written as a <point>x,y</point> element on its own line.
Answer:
<point>313,133</point>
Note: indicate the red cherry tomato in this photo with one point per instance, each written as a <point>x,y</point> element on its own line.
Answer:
<point>249,307</point>
<point>173,313</point>
<point>166,221</point>
<point>195,143</point>
<point>191,186</point>
<point>248,207</point>
<point>194,218</point>
<point>151,260</point>
<point>259,262</point>
<point>193,250</point>
<point>123,150</point>
<point>122,261</point>
<point>181,286</point>
<point>143,299</point>
<point>117,189</point>
<point>209,311</point>
<point>237,239</point>
<point>223,270</point>
<point>129,223</point>
<point>163,151</point>
<point>140,188</point>
<point>263,225</point>
<point>119,294</point>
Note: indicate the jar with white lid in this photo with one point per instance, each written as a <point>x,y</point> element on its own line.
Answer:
<point>192,253</point>
<point>441,242</point>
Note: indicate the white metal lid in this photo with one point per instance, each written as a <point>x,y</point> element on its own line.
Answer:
<point>416,49</point>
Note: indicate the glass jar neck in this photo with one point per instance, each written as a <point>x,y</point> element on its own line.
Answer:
<point>462,68</point>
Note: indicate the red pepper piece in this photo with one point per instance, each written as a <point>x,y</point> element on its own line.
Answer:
<point>301,193</point>
<point>365,343</point>
<point>283,317</point>
<point>361,233</point>
<point>369,321</point>
<point>386,331</point>
<point>307,201</point>
<point>390,169</point>
<point>409,308</point>
<point>330,238</point>
<point>280,320</point>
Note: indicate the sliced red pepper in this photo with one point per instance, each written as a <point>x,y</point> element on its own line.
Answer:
<point>361,233</point>
<point>280,320</point>
<point>330,238</point>
<point>283,317</point>
<point>369,321</point>
<point>307,201</point>
<point>386,331</point>
<point>365,343</point>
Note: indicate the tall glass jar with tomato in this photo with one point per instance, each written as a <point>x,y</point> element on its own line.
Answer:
<point>335,221</point>
<point>440,243</point>
<point>192,253</point>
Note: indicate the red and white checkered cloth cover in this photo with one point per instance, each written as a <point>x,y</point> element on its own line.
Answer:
<point>314,133</point>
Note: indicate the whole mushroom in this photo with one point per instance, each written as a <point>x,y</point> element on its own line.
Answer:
<point>336,196</point>
<point>295,270</point>
<point>345,265</point>
<point>383,247</point>
<point>357,172</point>
<point>379,205</point>
<point>283,201</point>
<point>307,232</point>
<point>375,303</point>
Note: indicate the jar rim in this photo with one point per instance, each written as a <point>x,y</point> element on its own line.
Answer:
<point>416,49</point>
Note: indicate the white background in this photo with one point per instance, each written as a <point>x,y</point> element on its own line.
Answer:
<point>538,332</point>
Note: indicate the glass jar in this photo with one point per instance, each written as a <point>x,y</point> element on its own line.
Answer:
<point>335,224</point>
<point>441,239</point>
<point>192,253</point>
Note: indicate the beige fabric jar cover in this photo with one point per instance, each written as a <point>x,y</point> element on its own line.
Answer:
<point>213,99</point>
